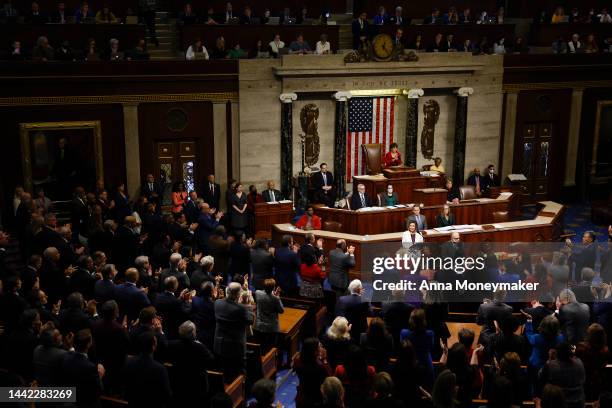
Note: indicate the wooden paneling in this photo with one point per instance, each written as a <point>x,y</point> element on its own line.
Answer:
<point>111,117</point>
<point>247,36</point>
<point>541,69</point>
<point>384,221</point>
<point>153,127</point>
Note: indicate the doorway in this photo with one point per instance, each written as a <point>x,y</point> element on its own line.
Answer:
<point>534,160</point>
<point>176,162</point>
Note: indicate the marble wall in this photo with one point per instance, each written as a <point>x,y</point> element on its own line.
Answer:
<point>315,79</point>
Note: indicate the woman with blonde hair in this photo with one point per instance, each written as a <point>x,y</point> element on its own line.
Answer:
<point>336,341</point>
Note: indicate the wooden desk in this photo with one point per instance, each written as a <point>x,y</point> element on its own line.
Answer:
<point>399,171</point>
<point>385,220</point>
<point>403,186</point>
<point>267,214</point>
<point>430,196</point>
<point>545,227</point>
<point>289,326</point>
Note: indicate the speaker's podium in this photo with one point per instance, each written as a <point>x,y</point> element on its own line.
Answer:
<point>400,171</point>
<point>403,179</point>
<point>268,214</point>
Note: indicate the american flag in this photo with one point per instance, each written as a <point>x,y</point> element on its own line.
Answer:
<point>370,121</point>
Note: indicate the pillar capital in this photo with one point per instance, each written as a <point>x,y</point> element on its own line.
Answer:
<point>465,91</point>
<point>288,97</point>
<point>342,96</point>
<point>414,93</point>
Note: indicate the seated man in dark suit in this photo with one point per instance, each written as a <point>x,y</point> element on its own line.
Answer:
<point>490,179</point>
<point>475,180</point>
<point>360,199</point>
<point>211,192</point>
<point>453,192</point>
<point>323,184</point>
<point>354,308</point>
<point>146,380</point>
<point>153,190</point>
<point>490,312</point>
<point>416,216</point>
<point>271,195</point>
<point>77,371</point>
<point>233,317</point>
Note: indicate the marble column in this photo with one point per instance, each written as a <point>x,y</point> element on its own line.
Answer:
<point>220,146</point>
<point>412,126</point>
<point>132,148</point>
<point>286,142</point>
<point>509,133</point>
<point>340,127</point>
<point>460,135</point>
<point>573,137</point>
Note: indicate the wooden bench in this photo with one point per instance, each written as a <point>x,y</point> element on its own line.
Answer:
<point>267,361</point>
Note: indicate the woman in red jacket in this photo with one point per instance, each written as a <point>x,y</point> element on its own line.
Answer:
<point>393,156</point>
<point>312,274</point>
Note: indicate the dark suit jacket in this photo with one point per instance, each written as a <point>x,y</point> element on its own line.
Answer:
<point>173,312</point>
<point>112,343</point>
<point>158,189</point>
<point>126,247</point>
<point>489,182</point>
<point>78,371</point>
<point>339,265</point>
<point>230,330</point>
<point>191,211</point>
<point>356,201</point>
<point>131,300</point>
<point>286,268</point>
<point>443,222</point>
<point>268,198</point>
<point>190,359</point>
<point>47,362</point>
<point>574,320</point>
<point>211,199</point>
<point>317,180</point>
<point>82,281</point>
<point>219,248</point>
<point>146,382</point>
<point>359,31</point>
<point>73,320</point>
<point>79,216</point>
<point>585,258</point>
<point>262,264</point>
<point>471,181</point>
<point>182,278</point>
<point>423,219</point>
<point>356,310</point>
<point>489,312</point>
<point>206,226</point>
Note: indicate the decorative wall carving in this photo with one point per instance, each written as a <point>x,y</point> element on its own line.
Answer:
<point>431,114</point>
<point>308,120</point>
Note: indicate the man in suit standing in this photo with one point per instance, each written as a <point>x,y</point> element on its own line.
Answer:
<point>573,316</point>
<point>271,195</point>
<point>476,180</point>
<point>79,213</point>
<point>583,256</point>
<point>355,309</point>
<point>153,190</point>
<point>232,318</point>
<point>341,260</point>
<point>490,179</point>
<point>190,209</point>
<point>490,312</point>
<point>360,28</point>
<point>262,263</point>
<point>146,380</point>
<point>452,249</point>
<point>360,199</point>
<point>323,183</point>
<point>212,192</point>
<point>418,218</point>
<point>104,289</point>
<point>207,223</point>
<point>78,371</point>
<point>131,299</point>
<point>173,310</point>
<point>287,266</point>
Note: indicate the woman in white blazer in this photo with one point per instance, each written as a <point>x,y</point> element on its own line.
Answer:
<point>411,236</point>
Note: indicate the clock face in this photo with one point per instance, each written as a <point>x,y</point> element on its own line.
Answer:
<point>382,46</point>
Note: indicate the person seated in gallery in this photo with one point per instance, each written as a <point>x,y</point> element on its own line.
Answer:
<point>411,236</point>
<point>309,221</point>
<point>393,157</point>
<point>299,46</point>
<point>490,179</point>
<point>389,198</point>
<point>453,192</point>
<point>271,195</point>
<point>323,184</point>
<point>437,166</point>
<point>360,199</point>
<point>476,180</point>
<point>445,218</point>
<point>416,216</point>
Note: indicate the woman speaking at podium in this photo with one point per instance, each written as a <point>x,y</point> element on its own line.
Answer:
<point>393,156</point>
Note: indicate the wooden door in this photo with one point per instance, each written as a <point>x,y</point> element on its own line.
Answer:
<point>534,161</point>
<point>176,161</point>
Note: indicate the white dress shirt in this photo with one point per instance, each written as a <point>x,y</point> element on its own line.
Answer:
<point>323,48</point>
<point>191,54</point>
<point>275,47</point>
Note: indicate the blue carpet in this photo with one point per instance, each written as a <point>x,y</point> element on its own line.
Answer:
<point>578,220</point>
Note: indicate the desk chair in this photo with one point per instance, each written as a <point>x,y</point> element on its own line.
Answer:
<point>500,216</point>
<point>467,193</point>
<point>333,226</point>
<point>373,157</point>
